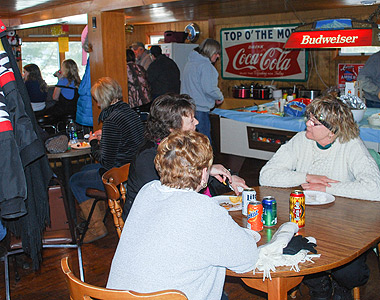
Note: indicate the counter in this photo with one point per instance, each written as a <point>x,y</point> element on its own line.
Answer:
<point>258,136</point>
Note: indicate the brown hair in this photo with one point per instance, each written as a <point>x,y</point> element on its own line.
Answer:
<point>105,91</point>
<point>70,71</point>
<point>181,157</point>
<point>336,116</point>
<point>166,114</point>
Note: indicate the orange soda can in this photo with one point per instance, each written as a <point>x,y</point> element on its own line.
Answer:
<point>255,216</point>
<point>297,208</point>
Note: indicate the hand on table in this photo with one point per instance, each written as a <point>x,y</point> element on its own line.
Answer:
<point>314,187</point>
<point>321,179</point>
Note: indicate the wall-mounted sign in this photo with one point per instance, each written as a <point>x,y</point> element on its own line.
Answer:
<point>330,38</point>
<point>258,53</point>
<point>347,73</point>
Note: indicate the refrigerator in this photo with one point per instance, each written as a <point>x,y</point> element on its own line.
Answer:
<point>177,52</point>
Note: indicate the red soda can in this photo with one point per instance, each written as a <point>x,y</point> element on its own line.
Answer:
<point>255,216</point>
<point>297,208</point>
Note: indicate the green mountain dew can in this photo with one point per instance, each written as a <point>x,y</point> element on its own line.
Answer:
<point>269,211</point>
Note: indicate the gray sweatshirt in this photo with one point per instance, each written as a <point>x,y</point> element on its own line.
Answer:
<point>200,81</point>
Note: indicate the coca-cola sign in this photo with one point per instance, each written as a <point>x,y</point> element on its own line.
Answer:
<point>258,53</point>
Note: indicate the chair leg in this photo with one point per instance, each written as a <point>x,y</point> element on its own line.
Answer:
<point>80,261</point>
<point>6,275</point>
<point>356,293</point>
<point>87,222</point>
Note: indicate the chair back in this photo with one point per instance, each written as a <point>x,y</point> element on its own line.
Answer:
<point>116,192</point>
<point>80,290</point>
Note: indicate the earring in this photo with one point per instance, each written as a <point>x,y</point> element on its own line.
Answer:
<point>203,184</point>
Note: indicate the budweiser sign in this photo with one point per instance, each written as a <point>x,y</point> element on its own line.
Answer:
<point>330,39</point>
<point>258,53</point>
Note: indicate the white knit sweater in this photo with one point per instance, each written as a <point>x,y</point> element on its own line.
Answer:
<point>350,163</point>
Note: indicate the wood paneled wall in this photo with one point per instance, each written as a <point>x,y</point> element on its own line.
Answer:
<point>321,61</point>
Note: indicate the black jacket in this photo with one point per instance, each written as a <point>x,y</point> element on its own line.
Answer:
<point>163,76</point>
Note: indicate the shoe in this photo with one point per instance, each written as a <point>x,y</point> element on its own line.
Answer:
<point>96,228</point>
<point>341,293</point>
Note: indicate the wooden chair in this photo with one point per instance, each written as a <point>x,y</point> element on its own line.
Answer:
<point>83,291</point>
<point>116,192</point>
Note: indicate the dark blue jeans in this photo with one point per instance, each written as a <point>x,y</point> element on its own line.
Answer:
<point>87,177</point>
<point>204,125</point>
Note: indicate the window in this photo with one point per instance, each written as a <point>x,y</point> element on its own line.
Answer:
<point>156,39</point>
<point>46,56</point>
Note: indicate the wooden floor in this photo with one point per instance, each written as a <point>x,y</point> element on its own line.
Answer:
<point>48,282</point>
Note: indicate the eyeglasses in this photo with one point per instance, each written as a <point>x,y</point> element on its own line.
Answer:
<point>313,121</point>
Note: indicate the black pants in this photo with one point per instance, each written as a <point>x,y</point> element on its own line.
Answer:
<point>353,274</point>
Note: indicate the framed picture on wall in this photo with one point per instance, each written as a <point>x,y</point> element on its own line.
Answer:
<point>258,53</point>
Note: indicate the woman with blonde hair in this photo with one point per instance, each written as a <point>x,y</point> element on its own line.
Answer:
<point>178,238</point>
<point>112,146</point>
<point>66,90</point>
<point>328,157</point>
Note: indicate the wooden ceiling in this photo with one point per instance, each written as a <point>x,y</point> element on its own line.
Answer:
<point>154,11</point>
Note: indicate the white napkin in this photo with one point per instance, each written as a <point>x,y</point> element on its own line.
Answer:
<point>271,256</point>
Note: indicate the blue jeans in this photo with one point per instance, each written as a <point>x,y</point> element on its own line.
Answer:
<point>204,125</point>
<point>87,177</point>
<point>3,231</point>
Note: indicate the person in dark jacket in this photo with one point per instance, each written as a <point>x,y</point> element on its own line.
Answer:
<point>168,112</point>
<point>112,146</point>
<point>163,74</point>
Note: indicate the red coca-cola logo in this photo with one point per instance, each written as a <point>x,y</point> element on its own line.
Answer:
<point>262,59</point>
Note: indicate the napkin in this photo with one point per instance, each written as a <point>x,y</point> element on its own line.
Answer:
<point>271,254</point>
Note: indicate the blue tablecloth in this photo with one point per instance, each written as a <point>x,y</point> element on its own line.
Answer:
<point>367,132</point>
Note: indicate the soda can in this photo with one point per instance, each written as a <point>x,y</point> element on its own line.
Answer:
<point>297,208</point>
<point>269,211</point>
<point>255,216</point>
<point>248,195</point>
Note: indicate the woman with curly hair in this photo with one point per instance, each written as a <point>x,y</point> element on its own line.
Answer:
<point>177,238</point>
<point>36,87</point>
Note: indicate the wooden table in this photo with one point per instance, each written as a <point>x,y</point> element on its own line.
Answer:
<point>66,158</point>
<point>343,229</point>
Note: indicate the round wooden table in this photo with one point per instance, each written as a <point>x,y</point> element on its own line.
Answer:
<point>344,229</point>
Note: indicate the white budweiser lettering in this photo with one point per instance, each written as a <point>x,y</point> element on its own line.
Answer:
<point>308,40</point>
<point>269,60</point>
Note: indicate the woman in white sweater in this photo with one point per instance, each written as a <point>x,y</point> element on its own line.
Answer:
<point>176,238</point>
<point>329,156</point>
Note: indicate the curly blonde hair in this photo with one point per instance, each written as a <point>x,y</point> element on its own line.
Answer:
<point>181,157</point>
<point>336,116</point>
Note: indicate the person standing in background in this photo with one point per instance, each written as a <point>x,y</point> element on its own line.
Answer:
<point>163,74</point>
<point>142,55</point>
<point>36,87</point>
<point>200,81</point>
<point>84,105</point>
<point>369,80</point>
<point>138,86</point>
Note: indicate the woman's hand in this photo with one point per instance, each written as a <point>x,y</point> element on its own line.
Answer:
<point>314,187</point>
<point>320,179</point>
<point>96,135</point>
<point>238,184</point>
<point>220,173</point>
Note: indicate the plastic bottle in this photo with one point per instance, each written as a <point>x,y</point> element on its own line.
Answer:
<point>72,131</point>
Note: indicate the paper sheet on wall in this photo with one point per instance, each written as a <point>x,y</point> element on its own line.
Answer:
<point>63,43</point>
